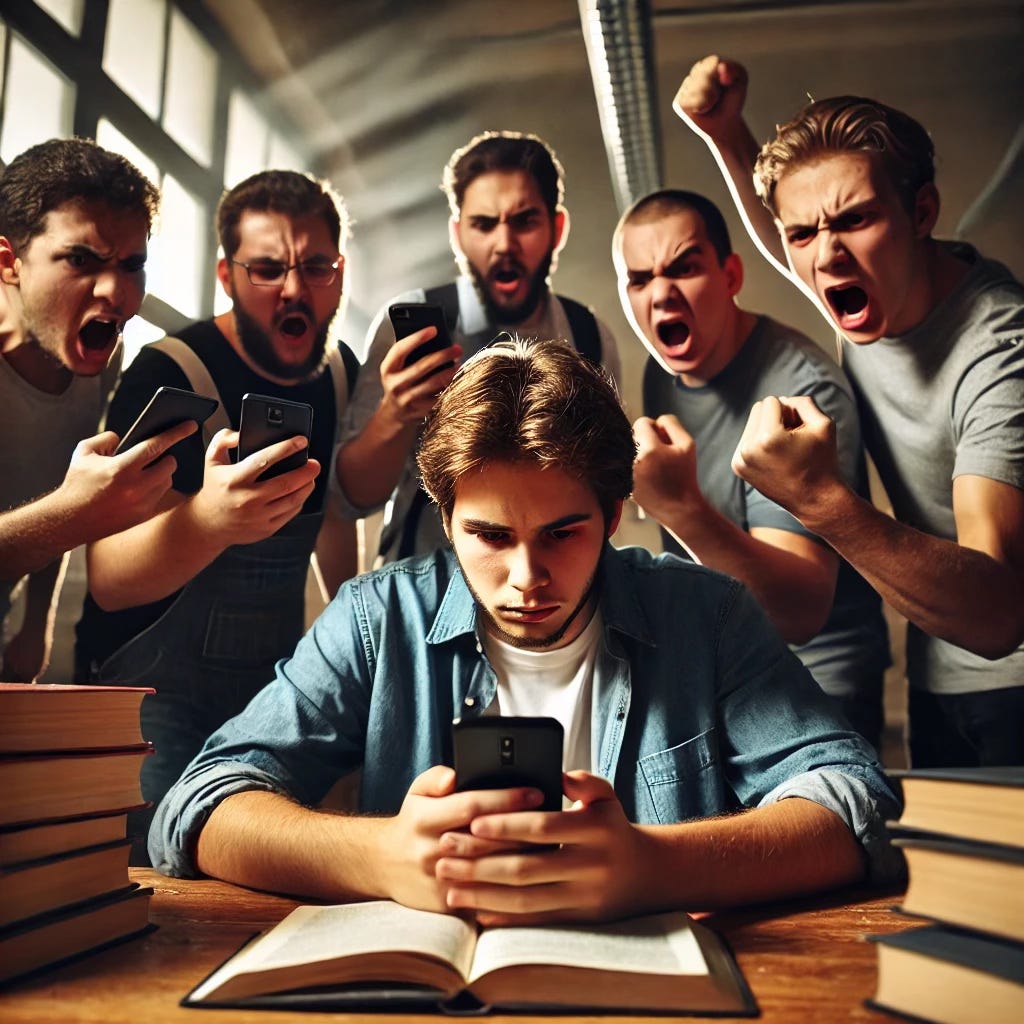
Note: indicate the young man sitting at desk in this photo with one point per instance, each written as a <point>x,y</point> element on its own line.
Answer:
<point>704,764</point>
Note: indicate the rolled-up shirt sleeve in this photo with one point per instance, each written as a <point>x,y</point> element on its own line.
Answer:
<point>298,736</point>
<point>786,740</point>
<point>187,807</point>
<point>862,803</point>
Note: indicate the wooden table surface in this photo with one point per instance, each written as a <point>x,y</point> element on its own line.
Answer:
<point>806,961</point>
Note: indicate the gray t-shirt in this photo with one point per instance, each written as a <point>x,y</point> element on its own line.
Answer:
<point>943,400</point>
<point>40,433</point>
<point>849,656</point>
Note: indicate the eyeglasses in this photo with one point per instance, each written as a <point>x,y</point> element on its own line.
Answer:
<point>272,273</point>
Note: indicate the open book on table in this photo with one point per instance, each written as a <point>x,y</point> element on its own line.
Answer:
<point>381,954</point>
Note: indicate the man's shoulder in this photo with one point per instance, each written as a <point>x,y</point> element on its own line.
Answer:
<point>781,340</point>
<point>981,319</point>
<point>783,360</point>
<point>202,337</point>
<point>423,597</point>
<point>428,575</point>
<point>992,299</point>
<point>662,584</point>
<point>197,336</point>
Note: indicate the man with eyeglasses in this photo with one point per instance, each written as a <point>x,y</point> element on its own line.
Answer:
<point>201,601</point>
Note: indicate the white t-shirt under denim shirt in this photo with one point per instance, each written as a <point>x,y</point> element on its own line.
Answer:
<point>556,683</point>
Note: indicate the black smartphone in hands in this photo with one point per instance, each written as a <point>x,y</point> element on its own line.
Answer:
<point>502,751</point>
<point>265,421</point>
<point>409,317</point>
<point>167,408</point>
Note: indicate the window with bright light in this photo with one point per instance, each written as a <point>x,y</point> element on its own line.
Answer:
<point>190,89</point>
<point>116,141</point>
<point>67,13</point>
<point>284,156</point>
<point>246,150</point>
<point>133,51</point>
<point>171,68</point>
<point>175,269</point>
<point>38,101</point>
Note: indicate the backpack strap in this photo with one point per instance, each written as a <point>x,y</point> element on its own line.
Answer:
<point>447,297</point>
<point>351,361</point>
<point>200,380</point>
<point>344,368</point>
<point>586,335</point>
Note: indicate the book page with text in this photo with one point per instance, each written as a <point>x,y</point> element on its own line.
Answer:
<point>311,933</point>
<point>656,944</point>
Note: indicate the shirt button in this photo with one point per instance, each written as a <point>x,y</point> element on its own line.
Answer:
<point>470,702</point>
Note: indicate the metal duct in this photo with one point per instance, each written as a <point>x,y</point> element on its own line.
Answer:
<point>620,52</point>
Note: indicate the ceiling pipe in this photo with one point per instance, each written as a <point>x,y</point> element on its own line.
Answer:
<point>620,52</point>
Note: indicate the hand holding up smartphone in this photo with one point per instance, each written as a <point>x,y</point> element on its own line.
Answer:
<point>409,317</point>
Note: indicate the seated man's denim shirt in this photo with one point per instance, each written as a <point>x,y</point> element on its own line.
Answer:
<point>699,707</point>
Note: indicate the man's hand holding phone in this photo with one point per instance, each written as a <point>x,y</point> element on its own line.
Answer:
<point>579,863</point>
<point>411,844</point>
<point>107,492</point>
<point>236,504</point>
<point>591,864</point>
<point>420,364</point>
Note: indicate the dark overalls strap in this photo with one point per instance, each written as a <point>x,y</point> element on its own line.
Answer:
<point>447,297</point>
<point>586,335</point>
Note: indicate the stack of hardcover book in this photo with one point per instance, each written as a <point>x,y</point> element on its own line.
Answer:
<point>962,831</point>
<point>69,772</point>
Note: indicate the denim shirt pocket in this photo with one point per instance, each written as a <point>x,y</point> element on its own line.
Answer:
<point>682,781</point>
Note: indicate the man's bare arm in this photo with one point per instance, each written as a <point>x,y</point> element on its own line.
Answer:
<point>266,841</point>
<point>710,100</point>
<point>336,557</point>
<point>966,592</point>
<point>159,556</point>
<point>101,493</point>
<point>969,592</point>
<point>792,576</point>
<point>605,867</point>
<point>370,465</point>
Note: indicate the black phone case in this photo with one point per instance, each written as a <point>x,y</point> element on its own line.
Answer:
<point>267,420</point>
<point>499,752</point>
<point>409,317</point>
<point>167,408</point>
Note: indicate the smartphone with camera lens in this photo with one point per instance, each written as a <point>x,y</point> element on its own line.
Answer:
<point>267,420</point>
<point>409,317</point>
<point>502,751</point>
